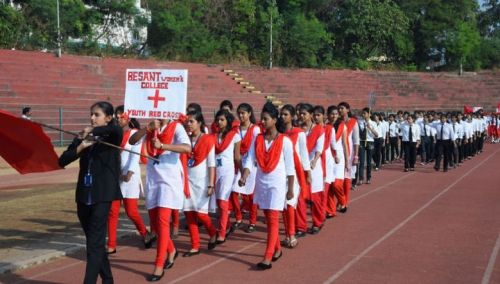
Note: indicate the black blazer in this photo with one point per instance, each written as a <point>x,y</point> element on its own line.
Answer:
<point>105,167</point>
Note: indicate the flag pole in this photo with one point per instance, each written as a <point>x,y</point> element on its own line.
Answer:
<point>98,141</point>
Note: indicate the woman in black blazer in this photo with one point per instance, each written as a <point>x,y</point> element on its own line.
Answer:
<point>98,185</point>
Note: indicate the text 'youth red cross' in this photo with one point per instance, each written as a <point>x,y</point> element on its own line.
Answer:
<point>156,98</point>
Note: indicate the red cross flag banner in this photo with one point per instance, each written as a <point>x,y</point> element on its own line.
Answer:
<point>156,93</point>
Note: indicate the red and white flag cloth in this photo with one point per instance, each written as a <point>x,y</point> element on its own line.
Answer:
<point>25,146</point>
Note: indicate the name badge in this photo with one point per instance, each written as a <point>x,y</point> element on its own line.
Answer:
<point>218,162</point>
<point>87,180</point>
<point>190,163</point>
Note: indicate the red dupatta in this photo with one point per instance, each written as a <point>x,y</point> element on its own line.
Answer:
<point>126,136</point>
<point>328,136</point>
<point>246,142</point>
<point>165,137</point>
<point>268,160</point>
<point>305,190</point>
<point>350,126</point>
<point>201,149</point>
<point>228,139</point>
<point>313,136</point>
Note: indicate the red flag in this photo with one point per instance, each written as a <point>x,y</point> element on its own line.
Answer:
<point>25,146</point>
<point>468,110</point>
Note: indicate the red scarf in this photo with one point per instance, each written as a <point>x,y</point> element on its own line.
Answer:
<point>305,190</point>
<point>126,136</point>
<point>313,136</point>
<point>165,137</point>
<point>339,130</point>
<point>328,136</point>
<point>268,160</point>
<point>350,126</point>
<point>202,148</point>
<point>215,129</point>
<point>246,142</point>
<point>228,139</point>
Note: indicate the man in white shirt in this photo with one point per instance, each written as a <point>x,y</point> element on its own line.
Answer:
<point>458,131</point>
<point>393,136</point>
<point>425,140</point>
<point>367,133</point>
<point>26,113</point>
<point>410,139</point>
<point>378,141</point>
<point>444,146</point>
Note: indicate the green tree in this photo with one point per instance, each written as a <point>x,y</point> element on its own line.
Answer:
<point>371,28</point>
<point>461,43</point>
<point>11,27</point>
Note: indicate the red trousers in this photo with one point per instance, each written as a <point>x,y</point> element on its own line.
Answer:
<point>317,209</point>
<point>273,242</point>
<point>289,220</point>
<point>347,189</point>
<point>175,218</point>
<point>223,216</point>
<point>324,203</point>
<point>192,218</point>
<point>301,215</point>
<point>132,211</point>
<point>336,190</point>
<point>161,223</point>
<point>247,201</point>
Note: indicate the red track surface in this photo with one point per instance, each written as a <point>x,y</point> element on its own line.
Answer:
<point>417,227</point>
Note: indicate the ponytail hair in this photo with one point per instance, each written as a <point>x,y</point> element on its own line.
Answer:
<point>198,116</point>
<point>274,113</point>
<point>229,118</point>
<point>107,109</point>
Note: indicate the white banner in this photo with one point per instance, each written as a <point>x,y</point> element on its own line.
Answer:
<point>155,93</point>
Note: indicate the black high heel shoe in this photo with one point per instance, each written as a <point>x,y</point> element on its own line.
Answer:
<point>263,266</point>
<point>154,278</point>
<point>211,246</point>
<point>275,258</point>
<point>169,264</point>
<point>149,239</point>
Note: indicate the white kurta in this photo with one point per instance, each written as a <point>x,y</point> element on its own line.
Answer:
<point>329,161</point>
<point>339,169</point>
<point>351,174</point>
<point>165,180</point>
<point>224,165</point>
<point>249,186</point>
<point>318,182</point>
<point>301,149</point>
<point>199,200</point>
<point>271,188</point>
<point>130,162</point>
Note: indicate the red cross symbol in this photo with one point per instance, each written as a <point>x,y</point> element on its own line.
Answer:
<point>156,98</point>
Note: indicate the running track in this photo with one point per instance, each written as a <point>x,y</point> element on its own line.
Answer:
<point>417,227</point>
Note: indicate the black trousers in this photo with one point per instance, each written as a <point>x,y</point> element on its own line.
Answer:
<point>425,155</point>
<point>443,150</point>
<point>393,145</point>
<point>365,157</point>
<point>410,149</point>
<point>377,152</point>
<point>94,219</point>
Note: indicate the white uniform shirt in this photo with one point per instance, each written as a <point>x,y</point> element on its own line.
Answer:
<point>271,188</point>
<point>130,162</point>
<point>199,200</point>
<point>369,134</point>
<point>444,131</point>
<point>165,181</point>
<point>459,130</point>
<point>415,132</point>
<point>393,129</point>
<point>301,149</point>
<point>224,169</point>
<point>250,182</point>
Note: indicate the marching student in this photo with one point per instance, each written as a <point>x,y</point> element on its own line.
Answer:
<point>368,134</point>
<point>98,185</point>
<point>339,167</point>
<point>195,107</point>
<point>425,140</point>
<point>201,174</point>
<point>302,178</point>
<point>352,148</point>
<point>165,188</point>
<point>130,184</point>
<point>248,131</point>
<point>410,140</point>
<point>378,141</point>
<point>384,134</point>
<point>315,143</point>
<point>393,138</point>
<point>469,137</point>
<point>328,161</point>
<point>227,160</point>
<point>445,137</point>
<point>273,153</point>
<point>459,134</point>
